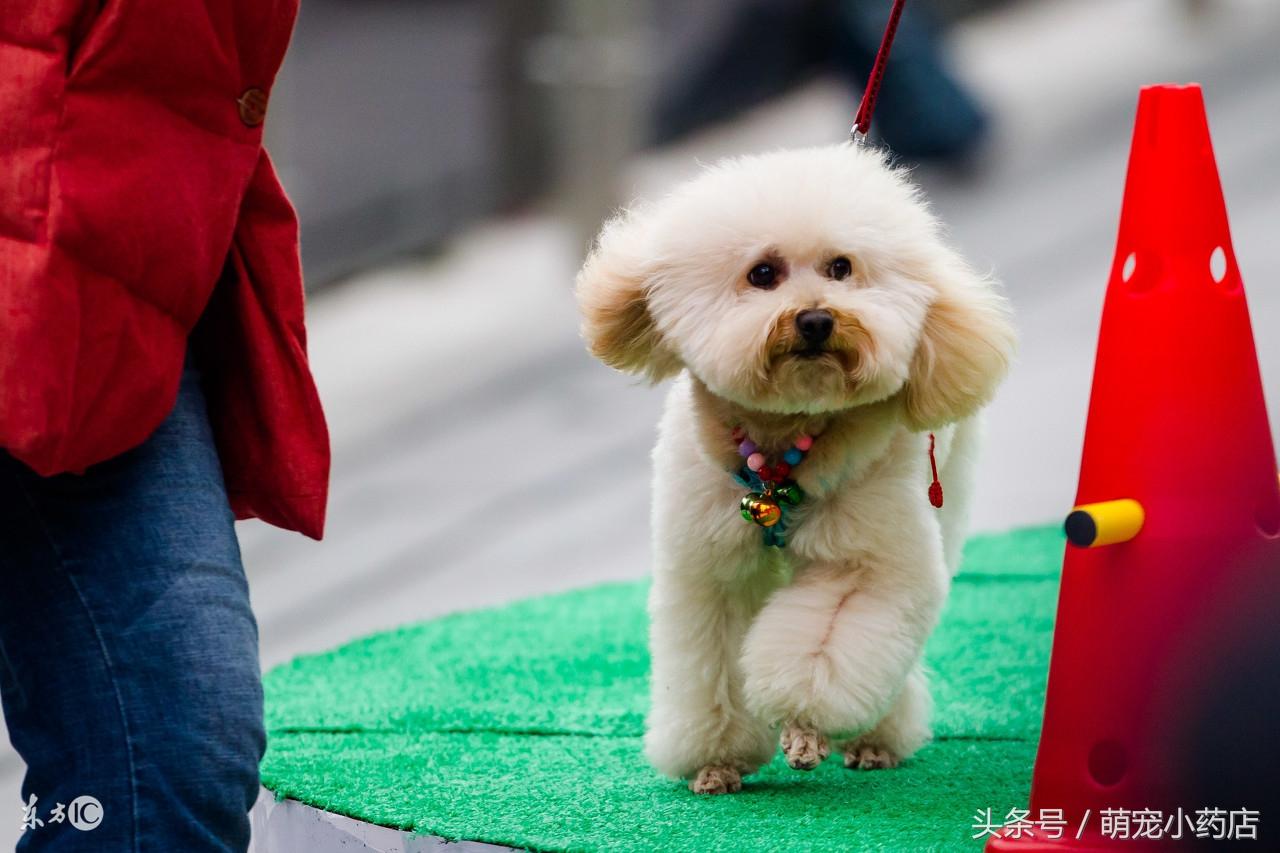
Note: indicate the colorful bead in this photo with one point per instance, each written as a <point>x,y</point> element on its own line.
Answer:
<point>747,447</point>
<point>739,435</point>
<point>781,470</point>
<point>804,442</point>
<point>766,473</point>
<point>792,456</point>
<point>755,461</point>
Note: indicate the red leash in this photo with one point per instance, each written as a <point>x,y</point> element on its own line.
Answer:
<point>858,133</point>
<point>862,122</point>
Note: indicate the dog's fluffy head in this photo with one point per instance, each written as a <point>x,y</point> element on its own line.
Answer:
<point>671,285</point>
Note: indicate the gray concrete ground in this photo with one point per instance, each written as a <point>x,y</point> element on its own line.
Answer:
<point>480,456</point>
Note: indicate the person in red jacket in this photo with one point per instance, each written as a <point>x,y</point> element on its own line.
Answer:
<point>154,385</point>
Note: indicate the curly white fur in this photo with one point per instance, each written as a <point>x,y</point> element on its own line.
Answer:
<point>823,637</point>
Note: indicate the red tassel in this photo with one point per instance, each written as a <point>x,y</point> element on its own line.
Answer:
<point>935,488</point>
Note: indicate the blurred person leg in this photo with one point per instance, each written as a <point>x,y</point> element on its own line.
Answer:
<point>767,47</point>
<point>923,112</point>
<point>771,45</point>
<point>128,650</point>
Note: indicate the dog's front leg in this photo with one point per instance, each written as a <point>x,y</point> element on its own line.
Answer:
<point>833,652</point>
<point>900,732</point>
<point>698,727</point>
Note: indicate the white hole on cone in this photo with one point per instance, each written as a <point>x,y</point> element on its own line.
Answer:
<point>1130,264</point>
<point>1218,265</point>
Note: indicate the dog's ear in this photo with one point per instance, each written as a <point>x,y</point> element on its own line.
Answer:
<point>612,289</point>
<point>964,349</point>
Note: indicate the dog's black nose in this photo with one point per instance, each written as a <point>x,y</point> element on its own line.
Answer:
<point>815,325</point>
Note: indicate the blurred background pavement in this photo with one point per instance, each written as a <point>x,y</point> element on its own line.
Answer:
<point>451,160</point>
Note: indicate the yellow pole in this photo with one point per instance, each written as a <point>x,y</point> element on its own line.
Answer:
<point>1104,523</point>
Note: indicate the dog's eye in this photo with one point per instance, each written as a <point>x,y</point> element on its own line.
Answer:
<point>840,269</point>
<point>763,275</point>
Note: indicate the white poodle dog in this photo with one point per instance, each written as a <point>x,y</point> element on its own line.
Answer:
<point>822,333</point>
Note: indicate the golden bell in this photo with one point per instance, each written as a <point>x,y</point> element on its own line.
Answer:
<point>763,511</point>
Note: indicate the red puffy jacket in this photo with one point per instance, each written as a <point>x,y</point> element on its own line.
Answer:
<point>138,209</point>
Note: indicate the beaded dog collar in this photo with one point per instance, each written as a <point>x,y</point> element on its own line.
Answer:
<point>772,494</point>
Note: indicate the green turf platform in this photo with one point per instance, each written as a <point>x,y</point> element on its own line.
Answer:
<point>521,726</point>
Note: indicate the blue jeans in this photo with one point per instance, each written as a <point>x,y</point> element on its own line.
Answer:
<point>128,650</point>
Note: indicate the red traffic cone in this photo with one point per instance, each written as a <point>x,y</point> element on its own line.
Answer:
<point>1174,542</point>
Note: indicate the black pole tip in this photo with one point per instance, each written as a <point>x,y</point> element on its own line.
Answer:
<point>1081,529</point>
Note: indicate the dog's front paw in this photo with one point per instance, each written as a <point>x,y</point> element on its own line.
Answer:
<point>804,746</point>
<point>867,755</point>
<point>716,779</point>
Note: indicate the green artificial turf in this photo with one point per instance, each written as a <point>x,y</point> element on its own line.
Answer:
<point>522,726</point>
